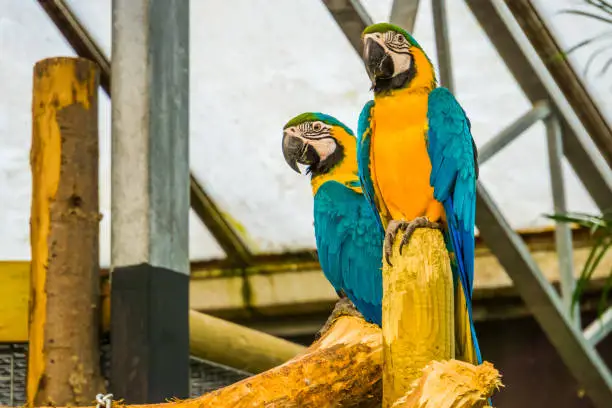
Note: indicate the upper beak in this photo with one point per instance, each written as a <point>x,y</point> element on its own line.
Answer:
<point>378,63</point>
<point>293,148</point>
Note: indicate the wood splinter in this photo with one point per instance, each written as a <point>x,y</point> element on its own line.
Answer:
<point>452,384</point>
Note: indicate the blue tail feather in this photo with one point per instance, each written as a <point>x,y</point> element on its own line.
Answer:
<point>462,243</point>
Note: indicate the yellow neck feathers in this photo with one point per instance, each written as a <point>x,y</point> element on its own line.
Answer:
<point>390,109</point>
<point>425,78</point>
<point>345,171</point>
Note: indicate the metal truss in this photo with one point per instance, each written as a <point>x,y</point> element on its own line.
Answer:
<point>75,33</point>
<point>567,135</point>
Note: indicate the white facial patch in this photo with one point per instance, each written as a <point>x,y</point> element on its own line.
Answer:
<point>401,63</point>
<point>325,147</point>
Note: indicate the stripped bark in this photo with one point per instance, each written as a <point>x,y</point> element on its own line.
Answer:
<point>418,319</point>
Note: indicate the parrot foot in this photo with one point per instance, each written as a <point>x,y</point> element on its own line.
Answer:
<point>408,228</point>
<point>344,307</point>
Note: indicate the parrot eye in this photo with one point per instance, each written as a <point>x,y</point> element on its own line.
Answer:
<point>400,38</point>
<point>316,126</point>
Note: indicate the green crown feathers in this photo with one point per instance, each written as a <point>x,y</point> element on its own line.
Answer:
<point>384,27</point>
<point>317,116</point>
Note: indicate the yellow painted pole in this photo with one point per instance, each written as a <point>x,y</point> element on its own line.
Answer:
<point>418,321</point>
<point>63,357</point>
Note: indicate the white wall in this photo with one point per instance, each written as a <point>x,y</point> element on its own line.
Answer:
<point>254,65</point>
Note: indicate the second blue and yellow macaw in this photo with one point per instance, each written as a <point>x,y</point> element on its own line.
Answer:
<point>349,239</point>
<point>417,160</point>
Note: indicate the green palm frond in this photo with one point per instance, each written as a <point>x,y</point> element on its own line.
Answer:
<point>598,10</point>
<point>600,227</point>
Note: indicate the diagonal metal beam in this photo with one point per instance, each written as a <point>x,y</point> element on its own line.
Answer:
<point>226,236</point>
<point>600,328</point>
<point>565,76</point>
<point>593,177</point>
<point>77,36</point>
<point>404,13</point>
<point>539,111</point>
<point>352,18</point>
<point>580,357</point>
<point>83,44</point>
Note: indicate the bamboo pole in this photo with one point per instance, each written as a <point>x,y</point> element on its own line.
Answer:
<point>236,346</point>
<point>63,362</point>
<point>418,321</point>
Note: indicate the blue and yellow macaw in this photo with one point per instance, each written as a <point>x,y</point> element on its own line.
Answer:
<point>418,161</point>
<point>349,239</point>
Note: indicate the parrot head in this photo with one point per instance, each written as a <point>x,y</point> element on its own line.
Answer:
<point>394,60</point>
<point>317,140</point>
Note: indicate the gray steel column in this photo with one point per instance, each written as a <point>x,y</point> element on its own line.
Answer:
<point>443,48</point>
<point>563,233</point>
<point>403,13</point>
<point>150,200</point>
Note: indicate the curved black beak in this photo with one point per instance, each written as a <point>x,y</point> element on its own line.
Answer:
<point>295,151</point>
<point>378,63</point>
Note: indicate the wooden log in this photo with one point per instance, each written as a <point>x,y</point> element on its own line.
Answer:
<point>418,321</point>
<point>237,346</point>
<point>452,383</point>
<point>342,368</point>
<point>63,362</point>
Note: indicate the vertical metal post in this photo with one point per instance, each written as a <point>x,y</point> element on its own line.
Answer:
<point>150,200</point>
<point>443,44</point>
<point>563,233</point>
<point>403,13</point>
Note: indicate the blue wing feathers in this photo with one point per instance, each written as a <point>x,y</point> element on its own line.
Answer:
<point>349,243</point>
<point>453,176</point>
<point>364,133</point>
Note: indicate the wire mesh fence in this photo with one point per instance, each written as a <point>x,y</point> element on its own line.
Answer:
<point>205,375</point>
<point>13,364</point>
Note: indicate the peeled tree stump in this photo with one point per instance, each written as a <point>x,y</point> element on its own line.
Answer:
<point>63,357</point>
<point>418,318</point>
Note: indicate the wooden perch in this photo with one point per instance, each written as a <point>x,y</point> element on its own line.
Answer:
<point>63,357</point>
<point>343,368</point>
<point>418,321</point>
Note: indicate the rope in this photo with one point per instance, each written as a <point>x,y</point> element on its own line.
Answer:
<point>104,401</point>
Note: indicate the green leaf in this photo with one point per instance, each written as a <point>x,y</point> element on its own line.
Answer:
<point>598,251</point>
<point>588,41</point>
<point>587,14</point>
<point>603,300</point>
